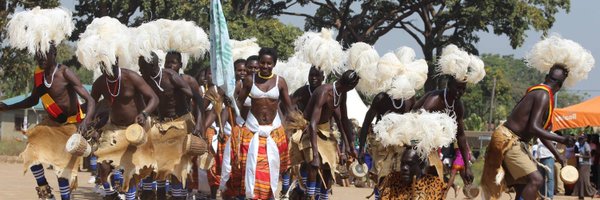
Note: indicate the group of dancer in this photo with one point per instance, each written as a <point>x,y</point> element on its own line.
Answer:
<point>148,121</point>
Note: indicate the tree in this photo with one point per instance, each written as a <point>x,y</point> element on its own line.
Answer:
<point>16,66</point>
<point>457,22</point>
<point>372,19</point>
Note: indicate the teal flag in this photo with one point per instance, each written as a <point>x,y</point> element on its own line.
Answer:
<point>221,57</point>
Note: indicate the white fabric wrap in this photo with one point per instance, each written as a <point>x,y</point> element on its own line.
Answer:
<point>272,153</point>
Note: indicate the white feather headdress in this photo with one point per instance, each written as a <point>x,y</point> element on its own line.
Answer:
<point>320,50</point>
<point>430,130</point>
<point>295,72</point>
<point>156,37</point>
<point>35,29</point>
<point>363,59</point>
<point>103,41</point>
<point>553,50</point>
<point>244,49</point>
<point>404,84</point>
<point>461,65</point>
<point>183,36</point>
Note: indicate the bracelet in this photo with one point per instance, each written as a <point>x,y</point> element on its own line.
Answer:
<point>145,114</point>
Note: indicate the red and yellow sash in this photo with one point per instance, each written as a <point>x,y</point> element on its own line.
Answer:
<point>546,88</point>
<point>50,106</point>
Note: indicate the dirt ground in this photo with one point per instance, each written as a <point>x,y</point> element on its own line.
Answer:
<point>16,185</point>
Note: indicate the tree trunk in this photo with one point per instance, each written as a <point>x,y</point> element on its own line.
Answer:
<point>431,83</point>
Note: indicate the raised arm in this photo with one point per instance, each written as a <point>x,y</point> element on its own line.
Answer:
<point>28,102</point>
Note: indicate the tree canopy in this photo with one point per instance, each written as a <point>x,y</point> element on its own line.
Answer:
<point>433,24</point>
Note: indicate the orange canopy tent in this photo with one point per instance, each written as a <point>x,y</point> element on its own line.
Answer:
<point>584,114</point>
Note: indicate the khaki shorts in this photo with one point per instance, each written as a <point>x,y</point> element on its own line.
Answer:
<point>519,163</point>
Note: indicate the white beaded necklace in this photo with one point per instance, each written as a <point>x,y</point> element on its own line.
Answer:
<point>159,75</point>
<point>335,93</point>
<point>449,108</point>
<point>394,103</point>
<point>48,85</point>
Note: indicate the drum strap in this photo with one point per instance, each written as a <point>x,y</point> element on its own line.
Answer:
<point>50,106</point>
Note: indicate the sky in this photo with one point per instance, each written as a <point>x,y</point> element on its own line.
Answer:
<point>581,25</point>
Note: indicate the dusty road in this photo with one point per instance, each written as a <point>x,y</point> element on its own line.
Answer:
<point>14,185</point>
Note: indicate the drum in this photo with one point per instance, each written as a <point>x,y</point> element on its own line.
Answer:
<point>569,174</point>
<point>77,145</point>
<point>87,151</point>
<point>471,191</point>
<point>135,134</point>
<point>194,145</point>
<point>357,170</point>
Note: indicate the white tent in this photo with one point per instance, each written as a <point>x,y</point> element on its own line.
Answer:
<point>356,108</point>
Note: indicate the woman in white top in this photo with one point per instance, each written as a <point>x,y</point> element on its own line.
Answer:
<point>264,143</point>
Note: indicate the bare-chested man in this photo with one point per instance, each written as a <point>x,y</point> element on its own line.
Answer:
<point>57,86</point>
<point>174,121</point>
<point>412,181</point>
<point>263,128</point>
<point>173,60</point>
<point>302,95</point>
<point>58,89</point>
<point>382,104</point>
<point>300,99</point>
<point>126,92</point>
<point>448,100</point>
<point>529,119</point>
<point>327,101</point>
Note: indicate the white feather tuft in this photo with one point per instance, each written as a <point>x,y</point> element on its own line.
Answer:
<point>320,50</point>
<point>430,130</point>
<point>183,36</point>
<point>148,38</point>
<point>439,130</point>
<point>499,177</point>
<point>295,72</point>
<point>396,129</point>
<point>476,70</point>
<point>402,82</point>
<point>401,88</point>
<point>553,50</point>
<point>185,58</point>
<point>416,72</point>
<point>244,49</point>
<point>35,29</point>
<point>405,54</point>
<point>363,59</point>
<point>103,41</point>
